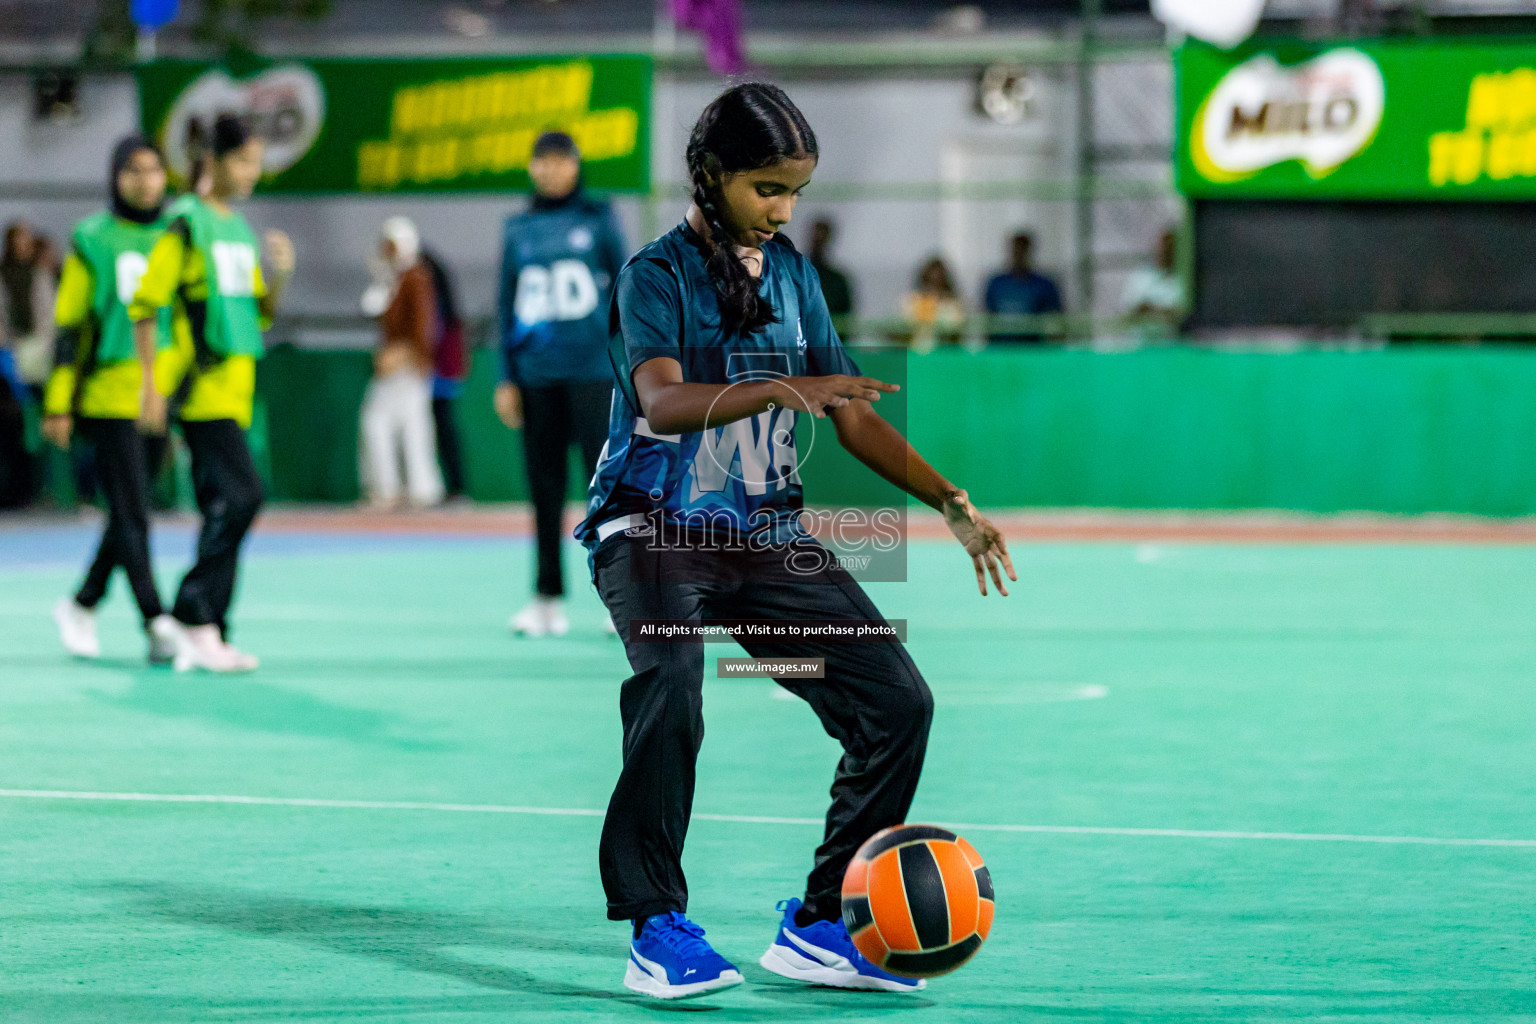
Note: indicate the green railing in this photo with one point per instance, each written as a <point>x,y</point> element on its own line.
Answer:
<point>322,331</point>
<point>1412,430</point>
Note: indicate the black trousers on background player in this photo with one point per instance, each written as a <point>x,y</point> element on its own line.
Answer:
<point>450,452</point>
<point>873,701</point>
<point>123,474</point>
<point>229,495</point>
<point>554,418</point>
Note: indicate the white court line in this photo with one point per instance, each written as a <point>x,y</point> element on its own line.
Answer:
<point>747,819</point>
<point>287,801</point>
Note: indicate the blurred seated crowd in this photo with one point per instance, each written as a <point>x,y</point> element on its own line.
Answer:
<point>1018,305</point>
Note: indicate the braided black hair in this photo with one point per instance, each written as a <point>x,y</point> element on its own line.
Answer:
<point>747,127</point>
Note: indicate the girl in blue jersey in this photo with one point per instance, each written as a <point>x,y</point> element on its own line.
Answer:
<point>559,259</point>
<point>720,337</point>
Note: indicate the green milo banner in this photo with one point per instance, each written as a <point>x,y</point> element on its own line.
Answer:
<point>380,125</point>
<point>1360,120</point>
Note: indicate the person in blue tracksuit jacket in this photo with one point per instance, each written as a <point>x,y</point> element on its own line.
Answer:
<point>559,261</point>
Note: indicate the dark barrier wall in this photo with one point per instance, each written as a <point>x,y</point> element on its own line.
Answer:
<point>1392,431</point>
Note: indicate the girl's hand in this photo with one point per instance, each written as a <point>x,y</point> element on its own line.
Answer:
<point>279,253</point>
<point>391,359</point>
<point>57,430</point>
<point>982,541</point>
<point>509,405</point>
<point>151,410</point>
<point>817,395</point>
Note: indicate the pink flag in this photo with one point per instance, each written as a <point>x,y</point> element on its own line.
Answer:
<point>719,22</point>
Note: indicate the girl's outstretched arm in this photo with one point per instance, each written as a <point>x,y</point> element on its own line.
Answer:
<point>672,406</point>
<point>881,447</point>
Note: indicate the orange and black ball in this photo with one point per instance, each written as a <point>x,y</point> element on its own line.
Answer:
<point>917,900</point>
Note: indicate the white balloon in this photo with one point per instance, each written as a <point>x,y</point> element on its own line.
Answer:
<point>1223,22</point>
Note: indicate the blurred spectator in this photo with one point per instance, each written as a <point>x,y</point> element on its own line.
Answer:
<point>27,283</point>
<point>397,412</point>
<point>835,285</point>
<point>1021,291</point>
<point>81,463</point>
<point>16,464</point>
<point>450,368</point>
<point>26,356</point>
<point>17,263</point>
<point>1153,302</point>
<point>49,259</point>
<point>934,307</point>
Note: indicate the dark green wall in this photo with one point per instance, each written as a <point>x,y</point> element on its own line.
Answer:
<point>1392,431</point>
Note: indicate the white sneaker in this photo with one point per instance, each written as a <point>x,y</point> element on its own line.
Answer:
<point>201,647</point>
<point>164,639</point>
<point>529,621</point>
<point>77,628</point>
<point>543,616</point>
<point>243,660</point>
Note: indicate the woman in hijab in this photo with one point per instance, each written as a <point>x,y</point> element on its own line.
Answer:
<point>96,387</point>
<point>397,411</point>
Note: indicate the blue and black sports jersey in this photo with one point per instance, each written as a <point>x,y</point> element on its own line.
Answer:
<point>741,477</point>
<point>558,263</point>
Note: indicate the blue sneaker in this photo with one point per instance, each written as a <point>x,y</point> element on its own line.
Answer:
<point>821,953</point>
<point>671,960</point>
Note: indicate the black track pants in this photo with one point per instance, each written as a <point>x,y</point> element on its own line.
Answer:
<point>554,418</point>
<point>229,495</point>
<point>123,474</point>
<point>450,452</point>
<point>873,701</point>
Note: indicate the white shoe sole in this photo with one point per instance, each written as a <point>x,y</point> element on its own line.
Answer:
<point>637,980</point>
<point>244,662</point>
<point>189,663</point>
<point>531,630</point>
<point>787,963</point>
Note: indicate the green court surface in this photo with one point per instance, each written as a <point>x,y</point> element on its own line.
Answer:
<point>1213,782</point>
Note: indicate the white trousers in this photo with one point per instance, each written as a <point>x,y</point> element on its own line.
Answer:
<point>397,428</point>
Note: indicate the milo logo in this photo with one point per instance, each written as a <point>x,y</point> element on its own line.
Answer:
<point>285,105</point>
<point>1321,113</point>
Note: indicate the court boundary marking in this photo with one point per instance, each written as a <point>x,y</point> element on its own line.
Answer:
<point>1024,526</point>
<point>748,819</point>
<point>513,520</point>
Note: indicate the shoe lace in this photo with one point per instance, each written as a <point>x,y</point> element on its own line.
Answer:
<point>681,935</point>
